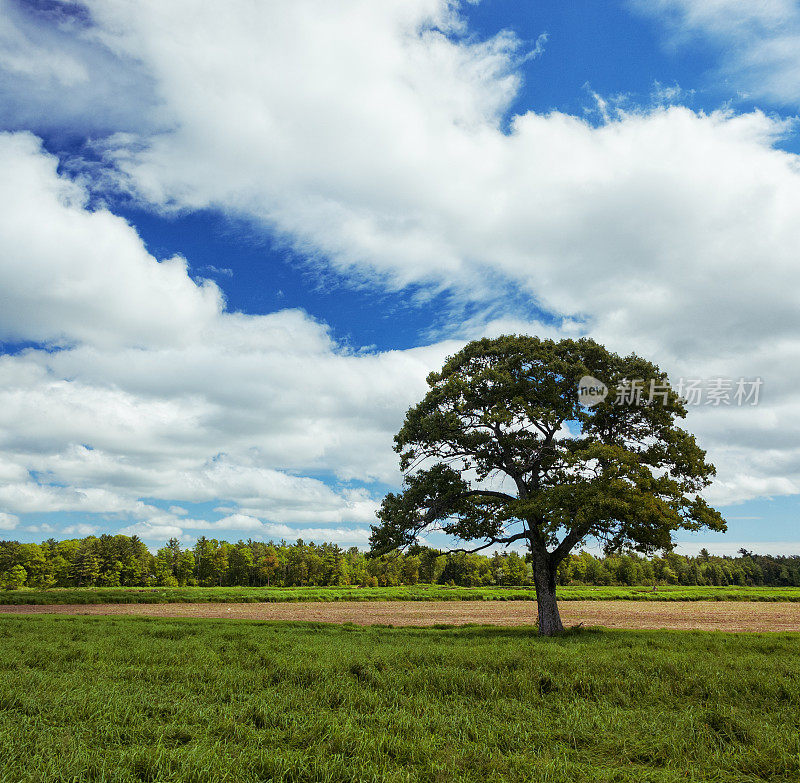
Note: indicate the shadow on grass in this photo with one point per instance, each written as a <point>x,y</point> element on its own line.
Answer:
<point>477,631</point>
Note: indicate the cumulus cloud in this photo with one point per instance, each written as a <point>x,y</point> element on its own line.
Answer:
<point>667,231</point>
<point>153,531</point>
<point>69,274</point>
<point>50,59</point>
<point>187,530</point>
<point>81,530</point>
<point>44,529</point>
<point>8,521</point>
<point>625,227</point>
<point>373,137</point>
<point>260,530</point>
<point>155,391</point>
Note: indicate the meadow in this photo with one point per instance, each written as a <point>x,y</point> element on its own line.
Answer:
<point>109,699</point>
<point>159,595</point>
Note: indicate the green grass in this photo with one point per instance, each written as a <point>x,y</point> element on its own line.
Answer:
<point>105,699</point>
<point>163,595</point>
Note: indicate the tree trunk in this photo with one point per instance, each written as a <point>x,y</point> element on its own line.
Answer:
<point>544,578</point>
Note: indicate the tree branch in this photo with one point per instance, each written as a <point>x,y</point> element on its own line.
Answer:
<point>507,540</point>
<point>568,542</point>
<point>489,493</point>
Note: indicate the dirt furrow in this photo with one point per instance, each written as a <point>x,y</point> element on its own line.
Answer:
<point>698,615</point>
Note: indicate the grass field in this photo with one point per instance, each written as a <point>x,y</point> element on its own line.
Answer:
<point>102,699</point>
<point>163,595</point>
<point>731,616</point>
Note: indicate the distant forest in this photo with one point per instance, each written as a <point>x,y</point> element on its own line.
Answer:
<point>120,561</point>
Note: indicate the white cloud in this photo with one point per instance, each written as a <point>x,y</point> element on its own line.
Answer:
<point>161,528</point>
<point>87,276</point>
<point>628,225</point>
<point>667,95</point>
<point>22,54</point>
<point>669,231</point>
<point>356,536</point>
<point>81,529</point>
<point>721,546</point>
<point>732,548</point>
<point>8,521</point>
<point>148,531</point>
<point>230,522</point>
<point>159,393</point>
<point>261,530</point>
<point>759,42</point>
<point>45,528</point>
<point>378,148</point>
<point>49,66</point>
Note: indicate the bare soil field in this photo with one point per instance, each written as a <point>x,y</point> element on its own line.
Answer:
<point>689,615</point>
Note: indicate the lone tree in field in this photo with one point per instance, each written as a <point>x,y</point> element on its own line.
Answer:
<point>500,451</point>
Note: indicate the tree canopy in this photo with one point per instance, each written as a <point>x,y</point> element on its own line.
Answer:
<point>501,450</point>
<point>55,564</point>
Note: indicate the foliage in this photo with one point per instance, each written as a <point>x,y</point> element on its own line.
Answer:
<point>122,561</point>
<point>500,451</point>
<point>127,700</point>
<point>14,578</point>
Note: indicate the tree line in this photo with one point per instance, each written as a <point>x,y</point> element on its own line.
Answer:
<point>125,561</point>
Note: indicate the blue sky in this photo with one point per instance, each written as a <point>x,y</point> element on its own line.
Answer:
<point>233,246</point>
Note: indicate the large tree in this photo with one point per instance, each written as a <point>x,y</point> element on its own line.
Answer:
<point>501,451</point>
